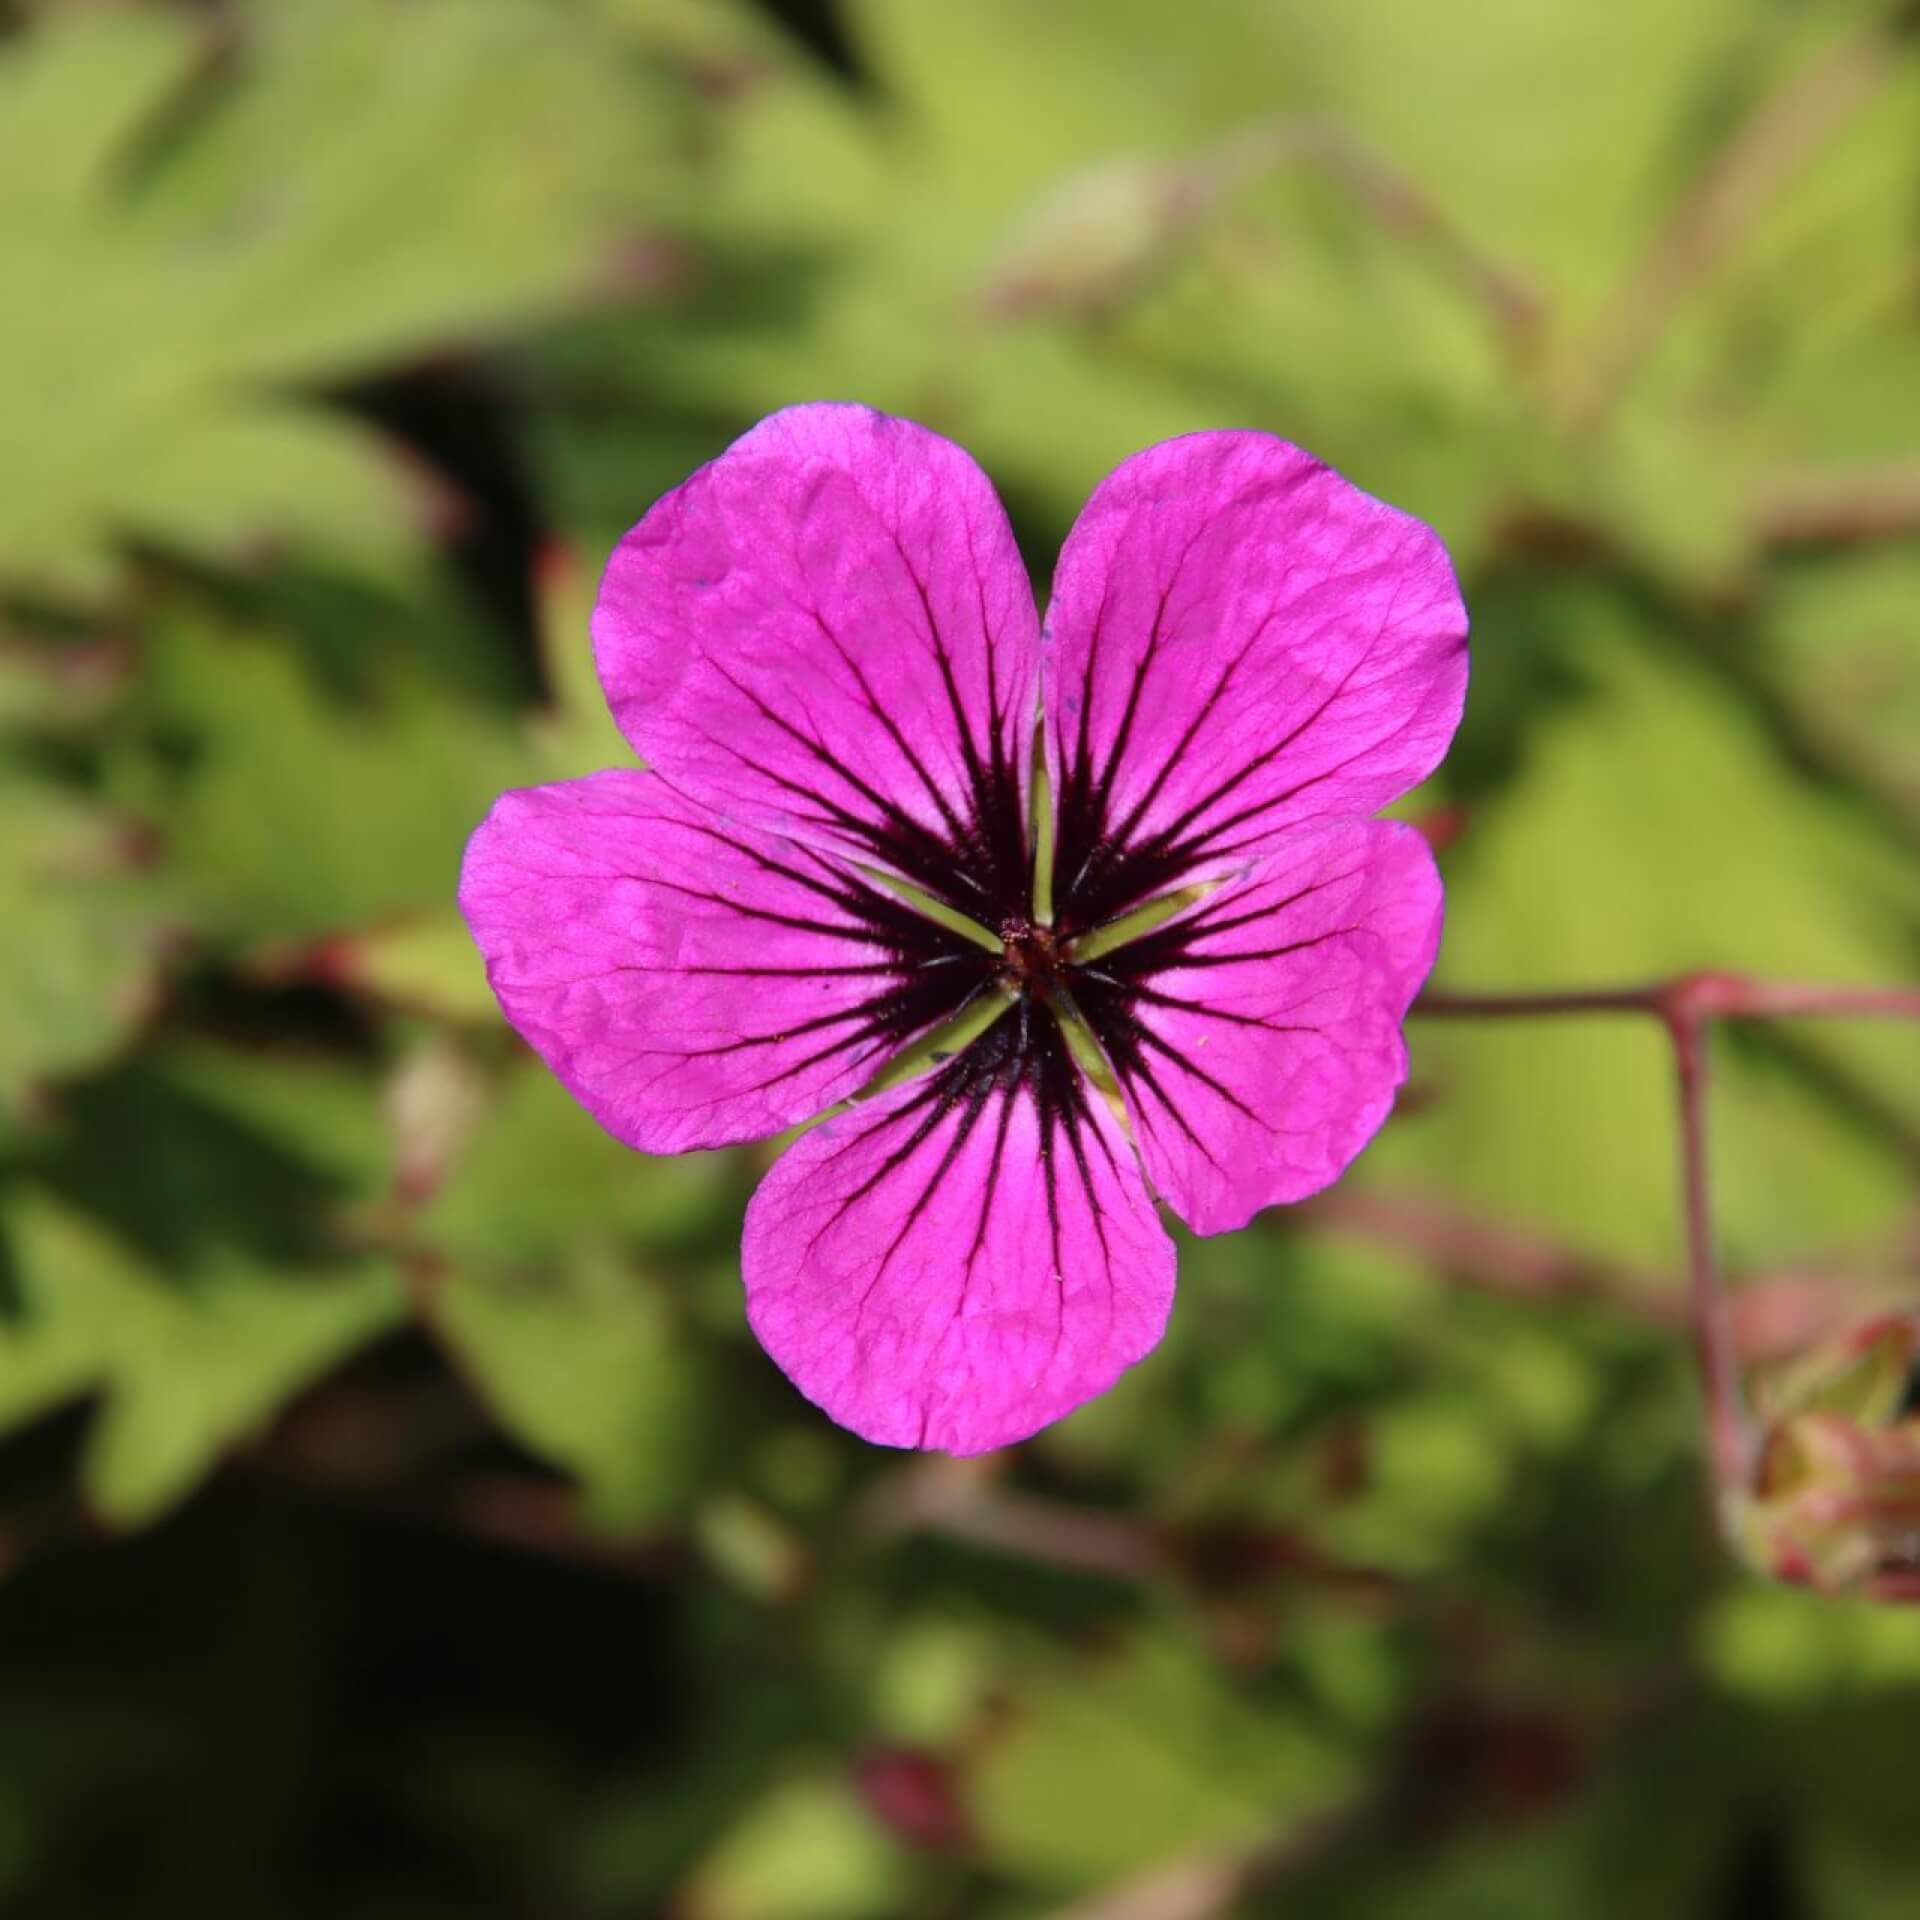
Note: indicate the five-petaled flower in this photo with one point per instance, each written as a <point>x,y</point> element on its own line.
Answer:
<point>825,647</point>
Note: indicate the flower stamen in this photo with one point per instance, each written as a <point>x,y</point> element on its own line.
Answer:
<point>1031,961</point>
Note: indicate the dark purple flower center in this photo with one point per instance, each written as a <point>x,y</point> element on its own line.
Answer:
<point>983,867</point>
<point>1048,975</point>
<point>977,858</point>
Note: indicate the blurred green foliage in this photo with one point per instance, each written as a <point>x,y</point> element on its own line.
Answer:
<point>396,1517</point>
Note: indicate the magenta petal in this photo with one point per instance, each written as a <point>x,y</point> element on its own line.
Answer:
<point>1257,1037</point>
<point>959,1261</point>
<point>1240,641</point>
<point>828,631</point>
<point>692,984</point>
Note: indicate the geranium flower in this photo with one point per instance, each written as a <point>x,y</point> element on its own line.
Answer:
<point>825,647</point>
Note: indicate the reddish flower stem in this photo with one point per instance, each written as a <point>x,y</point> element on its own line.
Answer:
<point>1687,1005</point>
<point>1725,996</point>
<point>1729,1430</point>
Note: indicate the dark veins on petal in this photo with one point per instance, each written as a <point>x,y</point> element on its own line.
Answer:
<point>1106,865</point>
<point>1023,1052</point>
<point>1112,990</point>
<point>931,976</point>
<point>978,859</point>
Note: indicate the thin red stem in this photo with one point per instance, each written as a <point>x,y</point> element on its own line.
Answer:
<point>1729,1431</point>
<point>1687,1005</point>
<point>1783,999</point>
<point>1725,996</point>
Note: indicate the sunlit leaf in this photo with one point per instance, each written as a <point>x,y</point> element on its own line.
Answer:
<point>292,803</point>
<point>87,925</point>
<point>1143,1758</point>
<point>186,285</point>
<point>587,1368</point>
<point>186,1367</point>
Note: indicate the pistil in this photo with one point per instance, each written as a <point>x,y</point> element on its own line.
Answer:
<point>1031,961</point>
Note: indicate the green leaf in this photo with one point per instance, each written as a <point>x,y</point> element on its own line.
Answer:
<point>540,1177</point>
<point>185,1371</point>
<point>184,286</point>
<point>804,1851</point>
<point>1143,1757</point>
<point>87,923</point>
<point>124,62</point>
<point>585,1365</point>
<point>296,800</point>
<point>184,1236</point>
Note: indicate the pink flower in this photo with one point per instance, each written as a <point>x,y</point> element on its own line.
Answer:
<point>825,646</point>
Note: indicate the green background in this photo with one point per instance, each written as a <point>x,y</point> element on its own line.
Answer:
<point>396,1518</point>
